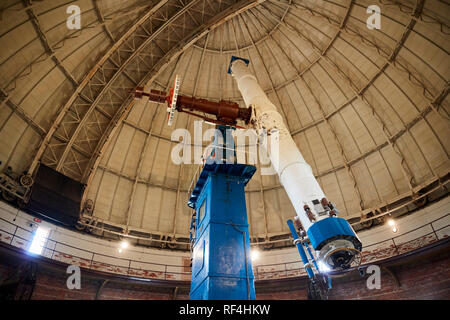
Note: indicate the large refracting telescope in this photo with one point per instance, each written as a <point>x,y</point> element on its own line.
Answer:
<point>333,238</point>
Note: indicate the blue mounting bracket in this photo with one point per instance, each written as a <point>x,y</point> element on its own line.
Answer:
<point>238,169</point>
<point>234,58</point>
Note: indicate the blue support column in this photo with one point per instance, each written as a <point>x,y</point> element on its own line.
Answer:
<point>312,257</point>
<point>221,266</point>
<point>299,245</point>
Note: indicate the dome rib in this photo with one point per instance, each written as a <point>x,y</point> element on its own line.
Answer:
<point>369,109</point>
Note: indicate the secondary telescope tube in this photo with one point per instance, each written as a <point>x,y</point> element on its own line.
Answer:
<point>333,237</point>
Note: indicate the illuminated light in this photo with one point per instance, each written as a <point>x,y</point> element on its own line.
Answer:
<point>254,254</point>
<point>124,244</point>
<point>391,222</point>
<point>323,268</point>
<point>38,243</point>
<point>120,250</point>
<point>394,229</point>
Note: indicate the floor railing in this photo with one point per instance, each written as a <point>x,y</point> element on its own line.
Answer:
<point>141,269</point>
<point>371,253</point>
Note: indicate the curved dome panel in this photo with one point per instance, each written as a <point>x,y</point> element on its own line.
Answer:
<point>368,109</point>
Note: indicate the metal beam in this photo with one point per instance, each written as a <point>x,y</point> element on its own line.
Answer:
<point>169,57</point>
<point>102,20</point>
<point>114,77</point>
<point>85,81</point>
<point>360,92</point>
<point>21,113</point>
<point>44,41</point>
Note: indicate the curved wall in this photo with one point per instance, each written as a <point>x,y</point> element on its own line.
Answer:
<point>416,230</point>
<point>90,252</point>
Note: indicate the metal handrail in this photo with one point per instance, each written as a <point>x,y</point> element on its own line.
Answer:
<point>400,235</point>
<point>53,251</point>
<point>93,254</point>
<point>164,273</point>
<point>73,247</point>
<point>396,246</point>
<point>285,269</point>
<point>389,239</point>
<point>194,179</point>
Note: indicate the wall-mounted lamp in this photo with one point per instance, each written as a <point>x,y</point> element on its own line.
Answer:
<point>392,224</point>
<point>254,254</point>
<point>124,244</point>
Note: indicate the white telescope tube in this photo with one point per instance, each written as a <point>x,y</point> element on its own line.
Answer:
<point>295,174</point>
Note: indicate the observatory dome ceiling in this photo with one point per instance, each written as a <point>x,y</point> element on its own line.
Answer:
<point>368,108</point>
